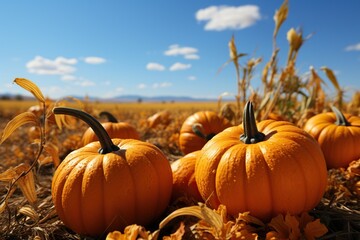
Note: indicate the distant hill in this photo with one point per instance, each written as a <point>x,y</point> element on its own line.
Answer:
<point>121,98</point>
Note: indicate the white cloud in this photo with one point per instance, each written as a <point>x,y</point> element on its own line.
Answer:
<point>68,78</point>
<point>141,86</point>
<point>192,57</point>
<point>58,66</point>
<point>192,78</point>
<point>85,83</point>
<point>162,85</point>
<point>179,66</point>
<point>187,52</point>
<point>354,47</point>
<point>152,66</point>
<point>220,18</point>
<point>94,60</point>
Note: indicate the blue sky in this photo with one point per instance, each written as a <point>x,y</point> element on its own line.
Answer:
<point>166,47</point>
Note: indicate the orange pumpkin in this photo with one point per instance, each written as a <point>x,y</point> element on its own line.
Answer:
<point>162,117</point>
<point>184,183</point>
<point>268,168</point>
<point>114,128</point>
<point>338,136</point>
<point>111,183</point>
<point>199,128</point>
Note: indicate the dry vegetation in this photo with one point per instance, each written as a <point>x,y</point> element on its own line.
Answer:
<point>31,155</point>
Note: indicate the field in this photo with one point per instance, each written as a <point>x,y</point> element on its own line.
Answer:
<point>339,209</point>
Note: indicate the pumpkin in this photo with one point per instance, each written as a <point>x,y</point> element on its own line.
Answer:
<point>184,183</point>
<point>114,128</point>
<point>199,128</point>
<point>109,184</point>
<point>266,168</point>
<point>162,117</point>
<point>338,136</point>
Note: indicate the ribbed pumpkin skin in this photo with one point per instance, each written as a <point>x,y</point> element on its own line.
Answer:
<point>286,172</point>
<point>184,183</point>
<point>211,123</point>
<point>340,144</point>
<point>95,193</point>
<point>115,130</point>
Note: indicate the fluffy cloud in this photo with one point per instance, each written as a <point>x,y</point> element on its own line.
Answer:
<point>220,18</point>
<point>354,47</point>
<point>68,78</point>
<point>179,66</point>
<point>192,78</point>
<point>94,60</point>
<point>187,52</point>
<point>141,86</point>
<point>58,66</point>
<point>162,85</point>
<point>152,66</point>
<point>85,83</point>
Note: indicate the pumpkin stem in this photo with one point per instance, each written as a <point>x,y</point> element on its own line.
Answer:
<point>198,130</point>
<point>111,118</point>
<point>340,118</point>
<point>251,133</point>
<point>105,141</point>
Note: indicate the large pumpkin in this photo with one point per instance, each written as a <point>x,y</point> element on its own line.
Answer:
<point>109,184</point>
<point>184,183</point>
<point>267,168</point>
<point>338,136</point>
<point>114,128</point>
<point>199,128</point>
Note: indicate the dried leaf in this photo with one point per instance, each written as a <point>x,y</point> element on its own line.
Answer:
<point>31,87</point>
<point>331,76</point>
<point>315,230</point>
<point>53,150</point>
<point>30,213</point>
<point>178,234</point>
<point>131,232</point>
<point>293,225</point>
<point>4,203</point>
<point>202,212</point>
<point>16,122</point>
<point>26,182</point>
<point>280,227</point>
<point>246,217</point>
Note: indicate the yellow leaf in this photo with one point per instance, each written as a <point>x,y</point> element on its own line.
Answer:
<point>26,182</point>
<point>31,87</point>
<point>202,212</point>
<point>16,122</point>
<point>315,229</point>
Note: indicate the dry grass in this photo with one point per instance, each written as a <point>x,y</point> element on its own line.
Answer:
<point>284,94</point>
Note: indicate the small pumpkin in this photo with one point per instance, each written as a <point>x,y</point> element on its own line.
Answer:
<point>199,128</point>
<point>338,135</point>
<point>162,117</point>
<point>114,128</point>
<point>109,184</point>
<point>269,168</point>
<point>184,183</point>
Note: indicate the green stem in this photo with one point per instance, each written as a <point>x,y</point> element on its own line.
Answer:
<point>197,129</point>
<point>109,116</point>
<point>340,118</point>
<point>251,133</point>
<point>106,143</point>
